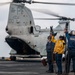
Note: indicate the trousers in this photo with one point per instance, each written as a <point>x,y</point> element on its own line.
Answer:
<point>58,58</point>
<point>70,56</point>
<point>50,60</point>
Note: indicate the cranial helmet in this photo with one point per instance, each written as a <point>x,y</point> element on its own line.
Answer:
<point>72,32</point>
<point>61,37</point>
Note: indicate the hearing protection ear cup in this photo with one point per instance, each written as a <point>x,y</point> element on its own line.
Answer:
<point>55,34</point>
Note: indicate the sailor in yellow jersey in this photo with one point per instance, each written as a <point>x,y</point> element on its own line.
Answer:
<point>59,45</point>
<point>58,51</point>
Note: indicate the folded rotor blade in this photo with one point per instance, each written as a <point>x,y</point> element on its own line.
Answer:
<point>53,3</point>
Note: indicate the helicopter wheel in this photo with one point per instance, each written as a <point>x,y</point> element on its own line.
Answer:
<point>12,58</point>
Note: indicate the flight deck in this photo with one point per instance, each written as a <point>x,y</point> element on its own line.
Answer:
<point>26,67</point>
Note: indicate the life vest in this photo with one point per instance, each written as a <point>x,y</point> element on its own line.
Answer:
<point>59,47</point>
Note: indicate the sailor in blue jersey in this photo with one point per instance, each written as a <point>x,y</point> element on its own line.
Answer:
<point>49,49</point>
<point>71,50</point>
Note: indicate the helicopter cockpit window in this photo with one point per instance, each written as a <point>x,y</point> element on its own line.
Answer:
<point>31,29</point>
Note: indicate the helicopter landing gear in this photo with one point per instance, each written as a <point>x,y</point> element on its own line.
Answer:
<point>13,58</point>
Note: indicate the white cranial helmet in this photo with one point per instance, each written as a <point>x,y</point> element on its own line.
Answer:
<point>72,32</point>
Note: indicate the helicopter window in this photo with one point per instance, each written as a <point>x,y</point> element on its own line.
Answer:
<point>30,22</point>
<point>31,29</point>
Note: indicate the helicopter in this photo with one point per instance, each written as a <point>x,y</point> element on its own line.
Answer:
<point>24,37</point>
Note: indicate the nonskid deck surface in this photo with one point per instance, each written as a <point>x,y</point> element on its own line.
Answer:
<point>23,67</point>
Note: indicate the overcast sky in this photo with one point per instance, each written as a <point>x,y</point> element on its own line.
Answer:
<point>68,11</point>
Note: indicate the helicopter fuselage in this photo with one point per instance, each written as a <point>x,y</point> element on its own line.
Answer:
<point>25,37</point>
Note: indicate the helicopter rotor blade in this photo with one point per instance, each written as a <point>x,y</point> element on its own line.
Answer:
<point>66,18</point>
<point>48,12</point>
<point>46,18</point>
<point>45,11</point>
<point>53,3</point>
<point>4,3</point>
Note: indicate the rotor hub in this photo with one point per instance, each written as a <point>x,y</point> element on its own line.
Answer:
<point>22,1</point>
<point>19,1</point>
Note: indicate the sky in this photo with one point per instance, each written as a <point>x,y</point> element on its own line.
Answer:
<point>68,11</point>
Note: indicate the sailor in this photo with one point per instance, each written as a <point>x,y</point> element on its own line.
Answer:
<point>71,49</point>
<point>58,51</point>
<point>49,49</point>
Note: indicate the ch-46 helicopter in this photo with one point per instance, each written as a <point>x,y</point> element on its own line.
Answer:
<point>24,37</point>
